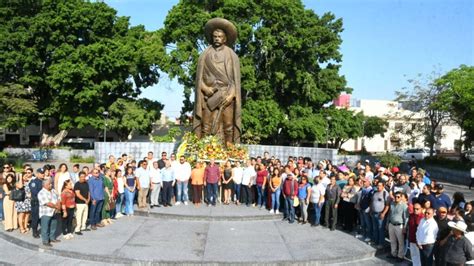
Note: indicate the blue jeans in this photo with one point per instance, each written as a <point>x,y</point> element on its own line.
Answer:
<point>237,191</point>
<point>289,209</point>
<point>48,228</point>
<point>378,229</point>
<point>1,209</point>
<point>211,193</point>
<point>96,212</point>
<point>276,200</point>
<point>260,199</point>
<point>426,255</point>
<point>317,212</point>
<point>129,196</point>
<point>366,224</point>
<point>182,194</point>
<point>119,202</point>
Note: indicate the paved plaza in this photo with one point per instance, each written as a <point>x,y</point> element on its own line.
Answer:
<point>189,240</point>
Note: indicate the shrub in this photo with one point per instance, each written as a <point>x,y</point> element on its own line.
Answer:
<point>389,160</point>
<point>79,159</point>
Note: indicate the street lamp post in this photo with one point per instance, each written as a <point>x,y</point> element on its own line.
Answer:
<point>106,116</point>
<point>363,136</point>
<point>328,118</point>
<point>40,114</point>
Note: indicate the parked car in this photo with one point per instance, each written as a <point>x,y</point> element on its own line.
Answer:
<point>397,152</point>
<point>79,143</point>
<point>418,154</point>
<point>469,155</point>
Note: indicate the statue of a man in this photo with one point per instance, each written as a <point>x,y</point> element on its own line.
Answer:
<point>217,105</point>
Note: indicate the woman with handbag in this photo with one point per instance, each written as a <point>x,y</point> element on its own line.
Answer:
<point>23,207</point>
<point>11,220</point>
<point>109,203</point>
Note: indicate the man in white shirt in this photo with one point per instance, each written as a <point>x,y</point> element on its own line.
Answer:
<point>155,175</point>
<point>150,160</point>
<point>143,176</point>
<point>48,207</point>
<point>237,175</point>
<point>426,237</point>
<point>248,177</point>
<point>182,174</point>
<point>323,179</point>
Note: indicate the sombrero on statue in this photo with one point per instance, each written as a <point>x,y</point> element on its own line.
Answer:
<point>223,24</point>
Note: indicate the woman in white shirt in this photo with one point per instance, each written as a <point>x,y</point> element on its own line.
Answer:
<point>60,177</point>
<point>317,199</point>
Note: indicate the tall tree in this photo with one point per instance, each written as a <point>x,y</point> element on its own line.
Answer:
<point>343,125</point>
<point>15,106</point>
<point>424,96</point>
<point>374,126</point>
<point>288,54</point>
<point>459,95</point>
<point>78,56</point>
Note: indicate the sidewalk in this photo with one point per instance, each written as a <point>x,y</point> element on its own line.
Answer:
<point>154,240</point>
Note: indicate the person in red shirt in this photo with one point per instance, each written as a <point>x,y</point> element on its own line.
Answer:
<point>261,181</point>
<point>413,223</point>
<point>212,174</point>
<point>290,191</point>
<point>68,205</point>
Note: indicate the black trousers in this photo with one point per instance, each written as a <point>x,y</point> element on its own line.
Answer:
<point>67,222</point>
<point>472,183</point>
<point>330,212</point>
<point>348,215</point>
<point>167,192</point>
<point>35,220</point>
<point>246,195</point>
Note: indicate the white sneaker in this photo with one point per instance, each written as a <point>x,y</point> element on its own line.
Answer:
<point>71,235</point>
<point>67,237</point>
<point>186,203</point>
<point>367,239</point>
<point>177,203</point>
<point>271,211</point>
<point>119,215</point>
<point>359,236</point>
<point>277,212</point>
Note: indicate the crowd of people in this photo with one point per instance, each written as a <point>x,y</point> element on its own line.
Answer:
<point>370,201</point>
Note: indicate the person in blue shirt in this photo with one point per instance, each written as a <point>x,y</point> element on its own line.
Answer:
<point>96,189</point>
<point>441,199</point>
<point>36,184</point>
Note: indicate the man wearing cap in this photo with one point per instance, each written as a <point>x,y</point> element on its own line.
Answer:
<point>217,105</point>
<point>36,184</point>
<point>441,199</point>
<point>458,247</point>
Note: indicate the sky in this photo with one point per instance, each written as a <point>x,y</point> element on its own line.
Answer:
<point>385,42</point>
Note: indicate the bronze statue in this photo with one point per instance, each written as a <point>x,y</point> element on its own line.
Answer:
<point>217,105</point>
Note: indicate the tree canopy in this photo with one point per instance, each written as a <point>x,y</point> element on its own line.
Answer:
<point>289,57</point>
<point>459,96</point>
<point>78,57</point>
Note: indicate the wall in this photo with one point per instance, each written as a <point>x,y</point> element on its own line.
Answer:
<point>140,150</point>
<point>53,155</point>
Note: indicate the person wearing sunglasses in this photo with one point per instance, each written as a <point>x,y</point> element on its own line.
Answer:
<point>426,234</point>
<point>413,222</point>
<point>398,219</point>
